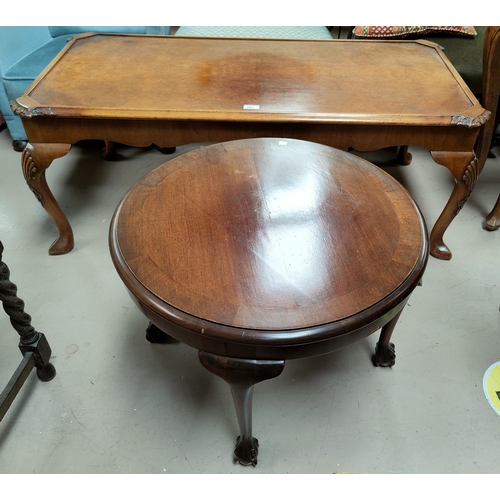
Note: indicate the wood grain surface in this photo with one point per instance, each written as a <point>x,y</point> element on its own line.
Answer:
<point>268,234</point>
<point>342,81</point>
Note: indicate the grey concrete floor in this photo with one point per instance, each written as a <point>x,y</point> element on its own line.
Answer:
<point>122,405</point>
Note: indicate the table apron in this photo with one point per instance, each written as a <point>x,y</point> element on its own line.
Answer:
<point>143,133</point>
<point>270,351</point>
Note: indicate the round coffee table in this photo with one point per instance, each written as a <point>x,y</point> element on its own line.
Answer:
<point>261,250</point>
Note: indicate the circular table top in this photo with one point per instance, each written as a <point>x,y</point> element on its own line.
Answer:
<point>268,234</point>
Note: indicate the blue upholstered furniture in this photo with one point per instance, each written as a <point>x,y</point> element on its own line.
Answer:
<point>26,50</point>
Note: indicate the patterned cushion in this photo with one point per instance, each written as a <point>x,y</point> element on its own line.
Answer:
<point>317,32</point>
<point>404,31</point>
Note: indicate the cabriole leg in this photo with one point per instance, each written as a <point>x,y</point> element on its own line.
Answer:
<point>242,375</point>
<point>493,218</point>
<point>385,352</point>
<point>404,156</point>
<point>36,158</point>
<point>465,170</point>
<point>109,151</point>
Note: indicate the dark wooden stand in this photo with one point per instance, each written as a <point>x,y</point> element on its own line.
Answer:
<point>33,345</point>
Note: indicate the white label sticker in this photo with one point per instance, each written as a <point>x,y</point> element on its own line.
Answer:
<point>282,143</point>
<point>251,106</point>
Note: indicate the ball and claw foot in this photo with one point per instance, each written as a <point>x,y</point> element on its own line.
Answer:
<point>157,336</point>
<point>384,355</point>
<point>246,451</point>
<point>46,373</point>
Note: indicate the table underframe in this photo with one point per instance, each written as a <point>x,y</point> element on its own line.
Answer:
<point>450,146</point>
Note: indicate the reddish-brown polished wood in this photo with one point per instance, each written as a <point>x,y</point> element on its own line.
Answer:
<point>262,250</point>
<point>269,234</point>
<point>173,90</point>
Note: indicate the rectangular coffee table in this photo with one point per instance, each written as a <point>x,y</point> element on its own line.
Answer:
<point>169,91</point>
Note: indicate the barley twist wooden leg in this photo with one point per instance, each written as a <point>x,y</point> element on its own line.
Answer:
<point>31,340</point>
